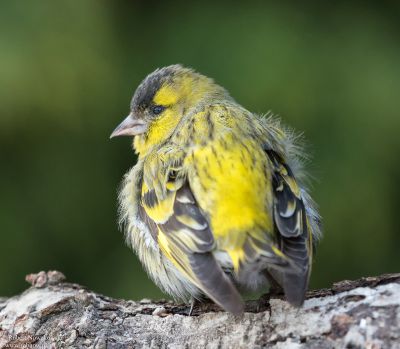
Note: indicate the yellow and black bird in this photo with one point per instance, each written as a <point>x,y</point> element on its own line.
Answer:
<point>214,205</point>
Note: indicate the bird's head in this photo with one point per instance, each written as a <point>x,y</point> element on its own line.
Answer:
<point>161,101</point>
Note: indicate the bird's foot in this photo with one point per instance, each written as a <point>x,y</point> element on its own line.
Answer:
<point>194,302</point>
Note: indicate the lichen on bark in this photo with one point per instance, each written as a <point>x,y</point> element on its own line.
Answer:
<point>53,313</point>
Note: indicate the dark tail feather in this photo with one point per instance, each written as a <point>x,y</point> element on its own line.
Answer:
<point>294,284</point>
<point>294,280</point>
<point>295,287</point>
<point>215,283</point>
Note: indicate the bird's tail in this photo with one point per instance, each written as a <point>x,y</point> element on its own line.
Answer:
<point>293,282</point>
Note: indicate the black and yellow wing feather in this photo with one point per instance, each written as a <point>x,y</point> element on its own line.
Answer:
<point>293,231</point>
<point>184,237</point>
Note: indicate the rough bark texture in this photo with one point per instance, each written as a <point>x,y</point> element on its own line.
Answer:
<point>56,314</point>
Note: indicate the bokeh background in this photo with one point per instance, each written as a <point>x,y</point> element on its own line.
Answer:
<point>67,73</point>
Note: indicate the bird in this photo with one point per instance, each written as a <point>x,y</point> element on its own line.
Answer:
<point>216,204</point>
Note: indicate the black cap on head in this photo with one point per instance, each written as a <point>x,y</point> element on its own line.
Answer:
<point>151,84</point>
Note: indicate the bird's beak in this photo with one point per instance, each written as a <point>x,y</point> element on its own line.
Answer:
<point>131,126</point>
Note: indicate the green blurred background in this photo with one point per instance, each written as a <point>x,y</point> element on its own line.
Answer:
<point>67,73</point>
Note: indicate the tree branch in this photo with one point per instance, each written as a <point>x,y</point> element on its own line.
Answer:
<point>55,314</point>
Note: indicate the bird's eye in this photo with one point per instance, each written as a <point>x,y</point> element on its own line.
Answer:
<point>157,109</point>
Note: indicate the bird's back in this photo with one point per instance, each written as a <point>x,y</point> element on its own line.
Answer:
<point>229,174</point>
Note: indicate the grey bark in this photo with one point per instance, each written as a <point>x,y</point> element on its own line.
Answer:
<point>55,314</point>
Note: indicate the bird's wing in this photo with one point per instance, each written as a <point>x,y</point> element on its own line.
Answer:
<point>294,235</point>
<point>182,232</point>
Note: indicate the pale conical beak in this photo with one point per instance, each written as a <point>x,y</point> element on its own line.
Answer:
<point>130,127</point>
